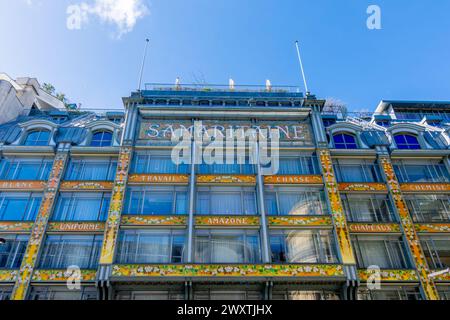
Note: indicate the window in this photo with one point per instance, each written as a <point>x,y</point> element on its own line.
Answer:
<point>406,141</point>
<point>387,252</point>
<point>62,293</point>
<point>437,251</point>
<point>156,163</point>
<point>232,200</point>
<point>295,201</point>
<point>82,207</point>
<point>303,165</point>
<point>223,246</point>
<point>37,138</point>
<point>305,246</point>
<point>19,206</point>
<point>91,170</point>
<point>11,253</point>
<point>156,201</point>
<point>241,166</point>
<point>357,171</point>
<point>5,293</point>
<point>25,169</point>
<point>155,292</point>
<point>429,208</point>
<point>368,208</point>
<point>60,252</point>
<point>344,141</point>
<point>421,171</point>
<point>151,246</point>
<point>292,294</point>
<point>217,293</point>
<point>102,139</point>
<point>390,293</point>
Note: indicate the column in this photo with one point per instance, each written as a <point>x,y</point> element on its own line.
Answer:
<point>40,225</point>
<point>262,209</point>
<point>428,287</point>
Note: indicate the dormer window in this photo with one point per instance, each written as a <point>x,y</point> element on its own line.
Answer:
<point>344,141</point>
<point>102,139</point>
<point>407,142</point>
<point>37,138</point>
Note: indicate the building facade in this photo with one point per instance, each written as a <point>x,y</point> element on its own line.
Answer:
<point>358,208</point>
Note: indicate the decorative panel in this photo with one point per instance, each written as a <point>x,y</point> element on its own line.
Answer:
<point>62,275</point>
<point>432,227</point>
<point>224,179</point>
<point>39,227</point>
<point>409,230</point>
<point>86,185</point>
<point>337,211</point>
<point>8,275</point>
<point>425,187</point>
<point>303,179</point>
<point>16,227</point>
<point>228,271</point>
<point>22,185</point>
<point>78,227</point>
<point>300,221</point>
<point>390,275</point>
<point>374,228</point>
<point>362,187</point>
<point>227,221</point>
<point>116,205</point>
<point>128,220</point>
<point>158,179</point>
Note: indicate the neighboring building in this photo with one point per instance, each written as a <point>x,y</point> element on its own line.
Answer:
<point>95,192</point>
<point>21,96</point>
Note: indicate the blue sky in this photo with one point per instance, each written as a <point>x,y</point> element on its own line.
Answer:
<point>247,40</point>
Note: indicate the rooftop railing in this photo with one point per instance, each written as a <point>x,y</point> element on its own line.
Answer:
<point>220,88</point>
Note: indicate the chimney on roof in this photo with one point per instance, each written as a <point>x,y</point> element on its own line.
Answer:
<point>268,85</point>
<point>231,84</point>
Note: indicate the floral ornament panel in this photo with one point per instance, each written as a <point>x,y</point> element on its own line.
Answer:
<point>86,185</point>
<point>39,227</point>
<point>337,211</point>
<point>227,271</point>
<point>63,275</point>
<point>238,179</point>
<point>362,187</point>
<point>16,227</point>
<point>154,220</point>
<point>409,230</point>
<point>300,221</point>
<point>115,207</point>
<point>432,227</point>
<point>389,275</point>
<point>8,275</point>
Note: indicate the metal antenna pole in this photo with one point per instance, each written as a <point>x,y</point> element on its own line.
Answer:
<point>301,67</point>
<point>143,64</point>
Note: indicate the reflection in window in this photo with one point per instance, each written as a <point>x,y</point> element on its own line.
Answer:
<point>5,293</point>
<point>102,139</point>
<point>151,246</point>
<point>297,202</point>
<point>357,171</point>
<point>11,253</point>
<point>91,170</point>
<point>82,207</point>
<point>437,251</point>
<point>305,246</point>
<point>406,141</point>
<point>226,201</point>
<point>37,138</point>
<point>292,294</point>
<point>237,166</point>
<point>387,253</point>
<point>62,251</point>
<point>19,206</point>
<point>368,208</point>
<point>387,293</point>
<point>146,163</point>
<point>416,172</point>
<point>156,201</point>
<point>429,208</point>
<point>25,169</point>
<point>344,141</point>
<point>304,165</point>
<point>222,246</point>
<point>62,293</point>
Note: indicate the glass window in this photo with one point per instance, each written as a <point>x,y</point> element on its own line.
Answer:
<point>19,206</point>
<point>102,139</point>
<point>156,163</point>
<point>344,141</point>
<point>82,207</point>
<point>232,200</point>
<point>223,246</point>
<point>437,251</point>
<point>292,294</point>
<point>238,166</point>
<point>303,246</point>
<point>11,253</point>
<point>37,138</point>
<point>63,251</point>
<point>406,141</point>
<point>386,253</point>
<point>151,246</point>
<point>357,171</point>
<point>429,208</point>
<point>227,293</point>
<point>298,202</point>
<point>156,292</point>
<point>386,293</point>
<point>156,201</point>
<point>368,208</point>
<point>62,293</point>
<point>91,170</point>
<point>423,171</point>
<point>298,165</point>
<point>25,169</point>
<point>5,293</point>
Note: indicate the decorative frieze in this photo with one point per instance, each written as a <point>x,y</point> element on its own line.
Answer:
<point>432,227</point>
<point>224,271</point>
<point>388,275</point>
<point>78,227</point>
<point>300,221</point>
<point>21,185</point>
<point>86,185</point>
<point>227,221</point>
<point>16,227</point>
<point>141,221</point>
<point>8,275</point>
<point>425,187</point>
<point>362,187</point>
<point>226,179</point>
<point>63,275</point>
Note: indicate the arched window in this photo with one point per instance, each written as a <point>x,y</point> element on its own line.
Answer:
<point>37,138</point>
<point>102,139</point>
<point>406,141</point>
<point>344,141</point>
